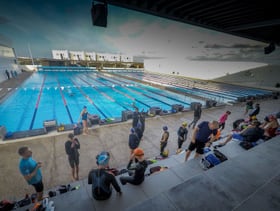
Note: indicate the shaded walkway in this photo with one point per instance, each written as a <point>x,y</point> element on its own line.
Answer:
<point>8,86</point>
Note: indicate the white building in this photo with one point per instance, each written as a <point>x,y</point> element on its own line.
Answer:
<point>77,55</point>
<point>90,56</point>
<point>113,57</point>
<point>126,58</point>
<point>60,54</point>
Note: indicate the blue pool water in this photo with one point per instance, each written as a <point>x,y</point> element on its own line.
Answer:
<point>61,95</point>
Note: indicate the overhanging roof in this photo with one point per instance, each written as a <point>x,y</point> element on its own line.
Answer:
<point>257,20</point>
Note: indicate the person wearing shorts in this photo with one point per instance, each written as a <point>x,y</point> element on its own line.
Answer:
<point>71,148</point>
<point>201,136</point>
<point>251,133</point>
<point>31,170</point>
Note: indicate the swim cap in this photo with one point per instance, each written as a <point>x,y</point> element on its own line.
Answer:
<point>132,130</point>
<point>185,124</point>
<point>85,107</point>
<point>138,152</point>
<point>103,158</point>
<point>165,128</point>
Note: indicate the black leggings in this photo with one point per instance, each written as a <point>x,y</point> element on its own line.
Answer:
<point>162,146</point>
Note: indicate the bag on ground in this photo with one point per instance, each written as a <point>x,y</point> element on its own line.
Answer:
<point>209,159</point>
<point>220,155</point>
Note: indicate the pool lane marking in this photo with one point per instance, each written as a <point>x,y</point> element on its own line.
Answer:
<point>37,103</point>
<point>172,98</point>
<point>64,101</point>
<point>111,98</point>
<point>104,94</point>
<point>127,95</point>
<point>89,99</point>
<point>153,92</point>
<point>155,99</point>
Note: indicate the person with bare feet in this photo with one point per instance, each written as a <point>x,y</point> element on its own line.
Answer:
<point>84,117</point>
<point>71,148</point>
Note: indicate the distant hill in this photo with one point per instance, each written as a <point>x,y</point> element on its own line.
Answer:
<point>263,77</point>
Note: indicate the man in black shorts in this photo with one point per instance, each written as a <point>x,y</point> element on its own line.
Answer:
<point>71,148</point>
<point>31,170</point>
<point>204,133</point>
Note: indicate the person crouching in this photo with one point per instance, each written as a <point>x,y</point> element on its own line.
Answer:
<point>139,168</point>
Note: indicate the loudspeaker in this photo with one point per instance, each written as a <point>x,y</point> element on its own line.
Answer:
<point>269,49</point>
<point>99,14</point>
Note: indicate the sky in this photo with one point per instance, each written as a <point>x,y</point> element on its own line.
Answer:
<point>45,25</point>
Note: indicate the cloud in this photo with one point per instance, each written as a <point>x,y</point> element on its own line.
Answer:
<point>4,40</point>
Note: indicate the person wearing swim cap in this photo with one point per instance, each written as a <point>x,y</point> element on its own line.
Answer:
<point>137,170</point>
<point>182,136</point>
<point>102,179</point>
<point>164,139</point>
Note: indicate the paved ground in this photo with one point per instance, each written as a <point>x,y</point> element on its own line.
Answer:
<point>113,138</point>
<point>7,86</point>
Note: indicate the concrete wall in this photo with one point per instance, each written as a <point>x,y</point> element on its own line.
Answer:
<point>7,62</point>
<point>267,76</point>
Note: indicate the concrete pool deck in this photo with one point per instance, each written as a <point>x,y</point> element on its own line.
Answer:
<point>50,150</point>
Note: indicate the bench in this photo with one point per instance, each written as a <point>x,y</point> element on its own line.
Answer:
<point>50,125</point>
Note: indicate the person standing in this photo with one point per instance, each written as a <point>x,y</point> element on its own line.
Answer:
<point>182,136</point>
<point>102,179</point>
<point>164,139</point>
<point>253,114</point>
<point>133,140</point>
<point>249,105</point>
<point>196,115</point>
<point>84,117</point>
<point>223,119</point>
<point>204,133</point>
<point>71,148</point>
<point>8,74</point>
<point>139,168</point>
<point>135,117</point>
<point>31,170</point>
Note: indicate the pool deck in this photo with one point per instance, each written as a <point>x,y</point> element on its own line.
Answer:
<point>8,85</point>
<point>49,148</point>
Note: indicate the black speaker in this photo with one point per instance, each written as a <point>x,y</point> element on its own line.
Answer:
<point>269,49</point>
<point>99,14</point>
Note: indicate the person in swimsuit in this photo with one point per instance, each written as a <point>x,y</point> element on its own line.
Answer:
<point>84,117</point>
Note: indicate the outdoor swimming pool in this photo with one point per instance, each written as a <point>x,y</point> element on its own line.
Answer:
<point>60,94</point>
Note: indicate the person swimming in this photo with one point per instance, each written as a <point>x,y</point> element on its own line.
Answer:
<point>70,93</point>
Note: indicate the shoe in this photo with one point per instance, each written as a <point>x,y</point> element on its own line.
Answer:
<point>122,182</point>
<point>219,145</point>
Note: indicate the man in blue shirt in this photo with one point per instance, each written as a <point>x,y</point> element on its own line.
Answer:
<point>30,169</point>
<point>204,133</point>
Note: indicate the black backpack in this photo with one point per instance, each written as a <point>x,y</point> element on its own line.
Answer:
<point>220,155</point>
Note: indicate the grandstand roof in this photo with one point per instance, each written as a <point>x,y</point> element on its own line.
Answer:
<point>257,20</point>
